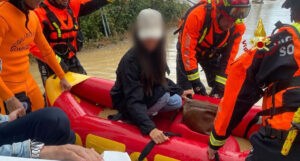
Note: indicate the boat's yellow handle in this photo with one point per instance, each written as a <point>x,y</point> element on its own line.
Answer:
<point>291,136</point>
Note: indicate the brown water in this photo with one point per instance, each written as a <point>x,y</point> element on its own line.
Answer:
<point>103,62</point>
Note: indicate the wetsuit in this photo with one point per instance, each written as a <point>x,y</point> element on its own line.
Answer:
<point>18,29</point>
<point>60,27</point>
<point>273,74</point>
<point>201,41</point>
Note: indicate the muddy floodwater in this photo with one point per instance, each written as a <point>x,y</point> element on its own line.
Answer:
<point>102,62</point>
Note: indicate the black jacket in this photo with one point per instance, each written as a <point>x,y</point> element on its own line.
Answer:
<point>128,94</point>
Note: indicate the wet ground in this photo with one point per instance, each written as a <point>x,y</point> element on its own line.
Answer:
<point>103,62</point>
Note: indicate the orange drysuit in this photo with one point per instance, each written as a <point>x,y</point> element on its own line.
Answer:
<point>202,41</point>
<point>17,32</point>
<point>273,74</point>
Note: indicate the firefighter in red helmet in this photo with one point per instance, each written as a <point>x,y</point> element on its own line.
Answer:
<point>271,72</point>
<point>210,35</point>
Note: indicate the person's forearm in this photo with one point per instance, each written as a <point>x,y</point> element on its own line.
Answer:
<point>47,52</point>
<point>21,149</point>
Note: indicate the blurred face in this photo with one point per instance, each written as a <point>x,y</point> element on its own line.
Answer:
<point>150,44</point>
<point>63,3</point>
<point>225,23</point>
<point>33,3</point>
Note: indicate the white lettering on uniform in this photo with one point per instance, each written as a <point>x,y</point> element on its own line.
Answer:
<point>288,49</point>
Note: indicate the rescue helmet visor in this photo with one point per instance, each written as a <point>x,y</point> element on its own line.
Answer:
<point>237,11</point>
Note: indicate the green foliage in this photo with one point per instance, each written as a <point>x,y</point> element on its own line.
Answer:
<point>122,13</point>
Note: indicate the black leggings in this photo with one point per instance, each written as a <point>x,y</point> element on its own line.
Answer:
<point>50,126</point>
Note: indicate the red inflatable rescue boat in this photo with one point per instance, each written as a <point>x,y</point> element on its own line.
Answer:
<point>89,103</point>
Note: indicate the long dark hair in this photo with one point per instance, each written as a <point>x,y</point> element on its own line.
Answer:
<point>153,65</point>
<point>21,5</point>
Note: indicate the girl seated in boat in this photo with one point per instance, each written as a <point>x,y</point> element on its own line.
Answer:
<point>142,90</point>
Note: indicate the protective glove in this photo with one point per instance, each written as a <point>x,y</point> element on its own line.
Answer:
<point>217,91</point>
<point>198,87</point>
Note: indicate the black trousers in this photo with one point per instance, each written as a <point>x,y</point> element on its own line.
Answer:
<point>50,126</point>
<point>210,67</point>
<point>71,65</point>
<point>269,149</point>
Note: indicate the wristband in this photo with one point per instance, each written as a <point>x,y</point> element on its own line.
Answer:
<point>36,148</point>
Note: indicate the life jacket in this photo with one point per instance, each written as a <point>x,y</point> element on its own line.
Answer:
<point>207,44</point>
<point>65,39</point>
<point>274,105</point>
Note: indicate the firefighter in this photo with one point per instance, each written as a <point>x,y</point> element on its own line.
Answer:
<point>209,34</point>
<point>19,27</point>
<point>59,20</point>
<point>270,71</point>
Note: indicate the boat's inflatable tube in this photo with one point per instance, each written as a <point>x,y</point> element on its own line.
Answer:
<point>90,97</point>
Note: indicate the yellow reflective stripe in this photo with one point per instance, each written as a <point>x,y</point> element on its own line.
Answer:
<point>58,58</point>
<point>221,80</point>
<point>226,3</point>
<point>203,35</point>
<point>58,29</point>
<point>215,142</point>
<point>194,76</point>
<point>297,26</point>
<point>239,21</point>
<point>209,1</point>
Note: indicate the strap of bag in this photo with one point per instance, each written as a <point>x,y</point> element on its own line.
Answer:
<point>217,157</point>
<point>151,145</point>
